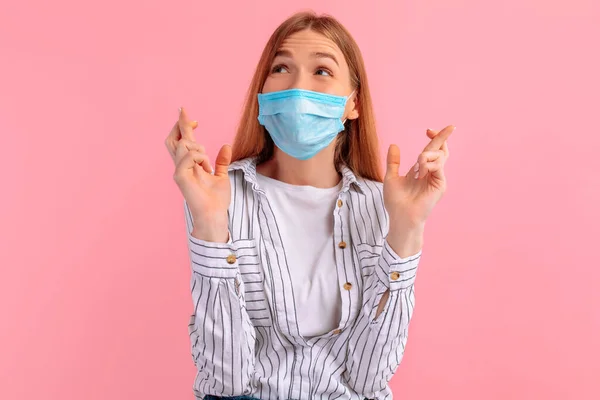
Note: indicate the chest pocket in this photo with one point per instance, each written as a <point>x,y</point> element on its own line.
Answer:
<point>252,284</point>
<point>368,258</point>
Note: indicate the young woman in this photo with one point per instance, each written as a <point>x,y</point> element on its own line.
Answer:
<point>303,256</point>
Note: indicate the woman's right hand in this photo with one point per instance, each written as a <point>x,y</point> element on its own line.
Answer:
<point>208,195</point>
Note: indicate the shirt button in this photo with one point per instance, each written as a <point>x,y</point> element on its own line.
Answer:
<point>395,275</point>
<point>340,203</point>
<point>231,259</point>
<point>337,331</point>
<point>342,245</point>
<point>347,286</point>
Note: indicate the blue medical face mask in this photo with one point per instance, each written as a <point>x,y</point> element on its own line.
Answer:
<point>301,122</point>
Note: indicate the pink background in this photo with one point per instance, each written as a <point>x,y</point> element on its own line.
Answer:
<point>94,285</point>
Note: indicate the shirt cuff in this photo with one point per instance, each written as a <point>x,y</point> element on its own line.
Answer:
<point>213,260</point>
<point>397,272</point>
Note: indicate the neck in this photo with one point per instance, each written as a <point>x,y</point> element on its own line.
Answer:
<point>318,171</point>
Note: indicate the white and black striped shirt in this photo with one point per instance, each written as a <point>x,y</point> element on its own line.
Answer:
<point>244,332</point>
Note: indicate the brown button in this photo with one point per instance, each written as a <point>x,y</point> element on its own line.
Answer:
<point>347,286</point>
<point>342,245</point>
<point>337,331</point>
<point>340,203</point>
<point>231,259</point>
<point>395,275</point>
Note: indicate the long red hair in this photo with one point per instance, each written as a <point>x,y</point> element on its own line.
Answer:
<point>357,147</point>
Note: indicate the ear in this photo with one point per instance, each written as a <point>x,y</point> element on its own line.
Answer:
<point>352,106</point>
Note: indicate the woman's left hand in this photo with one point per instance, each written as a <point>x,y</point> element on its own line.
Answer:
<point>410,199</point>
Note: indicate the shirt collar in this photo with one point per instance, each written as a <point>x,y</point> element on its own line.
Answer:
<point>248,167</point>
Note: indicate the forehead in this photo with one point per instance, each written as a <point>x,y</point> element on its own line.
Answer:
<point>310,41</point>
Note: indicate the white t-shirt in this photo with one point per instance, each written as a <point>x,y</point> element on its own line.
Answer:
<point>306,224</point>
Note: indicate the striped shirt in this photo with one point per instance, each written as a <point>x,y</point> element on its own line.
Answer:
<point>243,331</point>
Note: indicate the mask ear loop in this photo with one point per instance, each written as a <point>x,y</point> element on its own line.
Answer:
<point>348,98</point>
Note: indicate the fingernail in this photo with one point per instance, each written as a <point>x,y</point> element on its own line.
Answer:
<point>417,167</point>
<point>180,110</point>
<point>417,175</point>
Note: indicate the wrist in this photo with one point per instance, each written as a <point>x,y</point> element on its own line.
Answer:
<point>214,229</point>
<point>406,239</point>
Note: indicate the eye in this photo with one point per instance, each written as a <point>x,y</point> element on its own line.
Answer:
<point>323,71</point>
<point>278,69</point>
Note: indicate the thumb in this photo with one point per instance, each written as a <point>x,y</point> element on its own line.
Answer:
<point>393,161</point>
<point>223,160</point>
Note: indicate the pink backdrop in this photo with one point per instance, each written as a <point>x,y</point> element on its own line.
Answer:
<point>94,289</point>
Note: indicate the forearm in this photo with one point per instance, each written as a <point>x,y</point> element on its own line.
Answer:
<point>221,335</point>
<point>383,320</point>
<point>376,351</point>
<point>406,240</point>
<point>216,293</point>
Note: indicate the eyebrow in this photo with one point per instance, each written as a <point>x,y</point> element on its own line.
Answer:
<point>318,54</point>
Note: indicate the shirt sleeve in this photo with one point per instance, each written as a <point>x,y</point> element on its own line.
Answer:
<point>376,346</point>
<point>221,333</point>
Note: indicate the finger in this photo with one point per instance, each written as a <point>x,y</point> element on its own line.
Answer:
<point>428,156</point>
<point>185,125</point>
<point>223,160</point>
<point>174,134</point>
<point>190,161</point>
<point>425,158</point>
<point>431,133</point>
<point>434,168</point>
<point>185,146</point>
<point>174,137</point>
<point>393,161</point>
<point>171,148</point>
<point>440,138</point>
<point>446,150</point>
